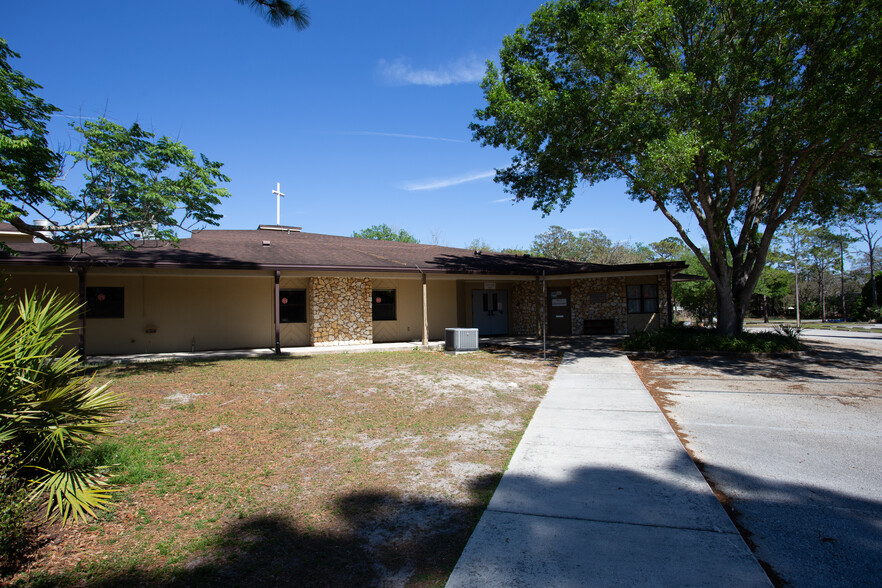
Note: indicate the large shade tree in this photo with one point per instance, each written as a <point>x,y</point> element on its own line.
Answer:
<point>740,114</point>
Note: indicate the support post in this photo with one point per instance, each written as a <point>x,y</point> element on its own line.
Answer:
<point>425,313</point>
<point>81,314</point>
<point>538,307</point>
<point>544,313</point>
<point>276,311</point>
<point>670,297</point>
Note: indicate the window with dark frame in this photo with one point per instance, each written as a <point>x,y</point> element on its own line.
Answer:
<point>642,298</point>
<point>105,302</point>
<point>383,305</point>
<point>292,306</point>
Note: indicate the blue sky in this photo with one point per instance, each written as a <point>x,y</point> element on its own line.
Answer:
<point>363,117</point>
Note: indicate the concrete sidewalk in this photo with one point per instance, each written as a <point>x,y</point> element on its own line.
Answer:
<point>600,492</point>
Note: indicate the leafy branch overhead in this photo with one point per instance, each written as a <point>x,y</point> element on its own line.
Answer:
<point>739,114</point>
<point>135,185</point>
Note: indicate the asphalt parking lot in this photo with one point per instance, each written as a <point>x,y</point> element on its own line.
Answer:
<point>792,447</point>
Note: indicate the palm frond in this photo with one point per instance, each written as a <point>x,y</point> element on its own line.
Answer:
<point>71,494</point>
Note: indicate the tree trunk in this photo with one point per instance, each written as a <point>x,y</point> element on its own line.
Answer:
<point>765,309</point>
<point>821,294</point>
<point>875,299</point>
<point>727,317</point>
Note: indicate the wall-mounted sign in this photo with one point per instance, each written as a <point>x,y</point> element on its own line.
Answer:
<point>559,302</point>
<point>489,285</point>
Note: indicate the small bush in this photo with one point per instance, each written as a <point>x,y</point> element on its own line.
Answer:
<point>16,516</point>
<point>790,331</point>
<point>701,339</point>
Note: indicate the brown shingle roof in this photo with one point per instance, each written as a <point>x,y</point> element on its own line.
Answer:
<point>303,251</point>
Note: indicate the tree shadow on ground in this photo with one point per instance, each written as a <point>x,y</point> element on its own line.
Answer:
<point>805,535</point>
<point>381,539</point>
<point>579,345</point>
<point>821,362</point>
<point>172,366</point>
<point>614,522</point>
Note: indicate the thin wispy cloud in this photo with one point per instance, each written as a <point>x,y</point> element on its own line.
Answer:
<point>405,136</point>
<point>81,117</point>
<point>447,182</point>
<point>501,200</point>
<point>464,71</point>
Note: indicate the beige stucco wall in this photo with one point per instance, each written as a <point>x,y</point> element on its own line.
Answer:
<point>649,321</point>
<point>61,281</point>
<point>408,323</point>
<point>173,312</point>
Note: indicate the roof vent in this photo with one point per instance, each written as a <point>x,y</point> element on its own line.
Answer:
<point>44,227</point>
<point>266,243</point>
<point>284,228</point>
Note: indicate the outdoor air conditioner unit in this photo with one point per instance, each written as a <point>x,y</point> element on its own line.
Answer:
<point>461,339</point>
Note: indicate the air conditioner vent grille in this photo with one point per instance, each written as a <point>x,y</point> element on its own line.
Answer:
<point>461,339</point>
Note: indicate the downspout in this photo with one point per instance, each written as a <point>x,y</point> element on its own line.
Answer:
<point>425,309</point>
<point>81,314</point>
<point>668,292</point>
<point>276,311</point>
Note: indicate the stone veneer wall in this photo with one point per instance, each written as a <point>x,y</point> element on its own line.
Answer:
<point>524,311</point>
<point>340,311</point>
<point>662,302</point>
<point>599,298</point>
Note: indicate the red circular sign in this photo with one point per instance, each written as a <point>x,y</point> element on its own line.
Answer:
<point>284,301</point>
<point>101,297</point>
<point>379,300</point>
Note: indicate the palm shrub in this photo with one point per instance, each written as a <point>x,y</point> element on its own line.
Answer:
<point>50,410</point>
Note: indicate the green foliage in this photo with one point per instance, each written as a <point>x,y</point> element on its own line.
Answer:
<point>867,292</point>
<point>586,246</point>
<point>51,412</point>
<point>788,331</point>
<point>16,530</point>
<point>741,114</point>
<point>669,249</point>
<point>478,244</point>
<point>680,338</point>
<point>27,164</point>
<point>385,233</point>
<point>135,183</point>
<point>699,297</point>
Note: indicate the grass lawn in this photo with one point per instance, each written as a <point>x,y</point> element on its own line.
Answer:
<point>361,469</point>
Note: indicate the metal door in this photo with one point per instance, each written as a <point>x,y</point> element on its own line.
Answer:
<point>559,313</point>
<point>490,312</point>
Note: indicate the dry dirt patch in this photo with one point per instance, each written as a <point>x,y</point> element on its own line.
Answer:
<point>362,469</point>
